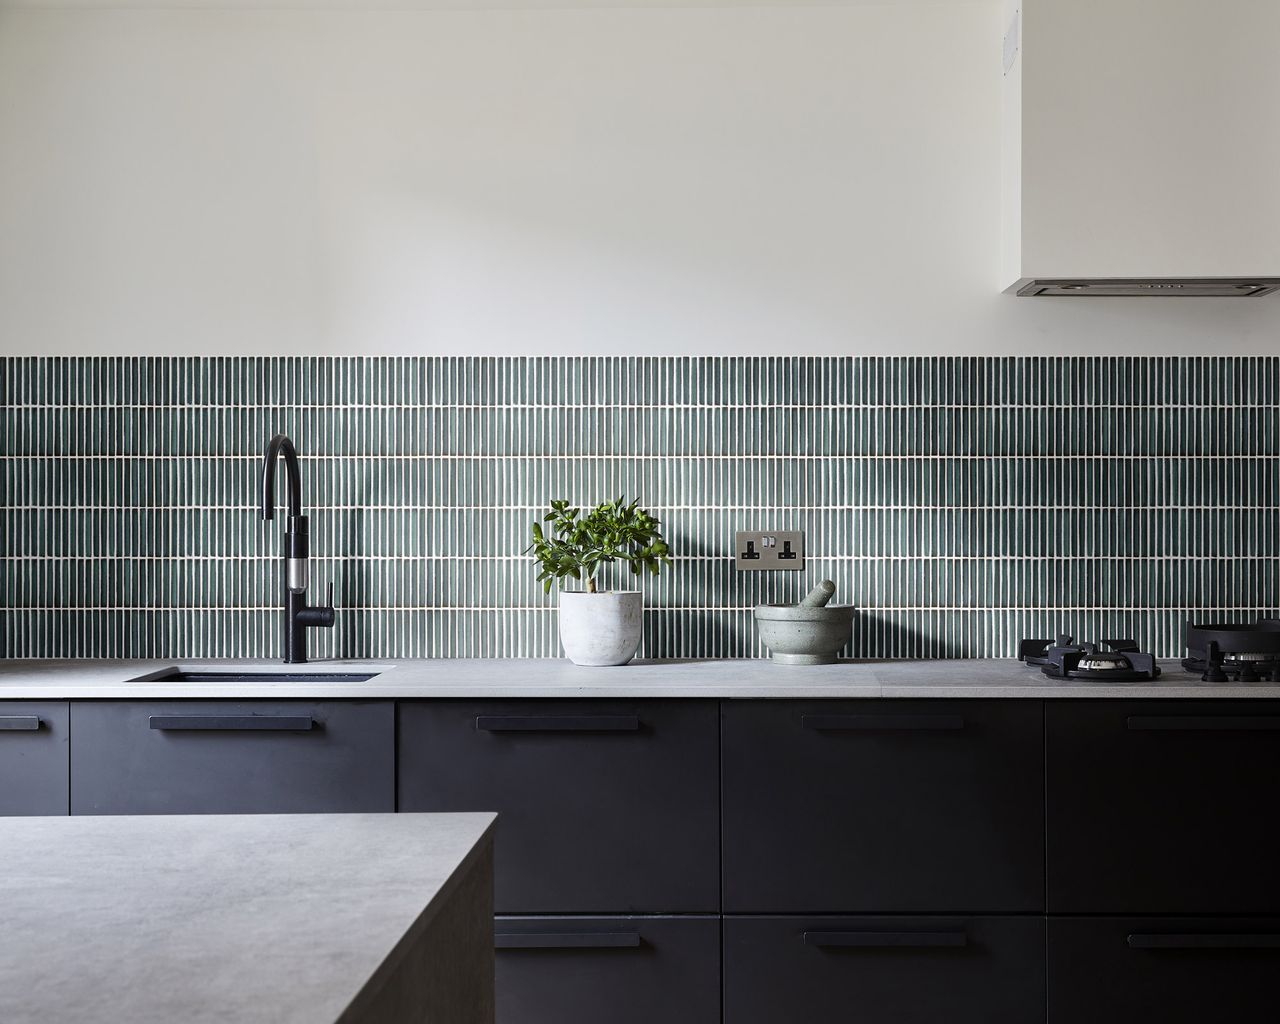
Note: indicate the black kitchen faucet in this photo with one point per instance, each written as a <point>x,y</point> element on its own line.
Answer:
<point>298,616</point>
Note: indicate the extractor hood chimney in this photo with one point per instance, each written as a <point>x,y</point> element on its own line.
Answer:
<point>1140,151</point>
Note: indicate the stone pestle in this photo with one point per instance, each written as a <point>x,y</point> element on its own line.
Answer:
<point>819,595</point>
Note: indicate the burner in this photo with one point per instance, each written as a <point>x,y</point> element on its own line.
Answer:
<point>1117,660</point>
<point>1226,652</point>
<point>1041,652</point>
<point>1119,664</point>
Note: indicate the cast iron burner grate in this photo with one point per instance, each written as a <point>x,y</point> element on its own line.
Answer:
<point>1234,652</point>
<point>1119,660</point>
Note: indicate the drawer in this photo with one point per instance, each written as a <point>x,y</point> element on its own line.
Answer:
<point>884,970</point>
<point>34,758</point>
<point>623,970</point>
<point>232,757</point>
<point>603,806</point>
<point>883,806</point>
<point>1163,806</point>
<point>1107,970</point>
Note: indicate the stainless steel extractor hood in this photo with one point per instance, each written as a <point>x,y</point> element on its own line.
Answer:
<point>1134,160</point>
<point>1219,287</point>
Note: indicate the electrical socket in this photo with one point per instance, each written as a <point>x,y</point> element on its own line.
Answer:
<point>756,550</point>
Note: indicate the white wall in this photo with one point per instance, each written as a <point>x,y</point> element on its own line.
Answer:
<point>711,178</point>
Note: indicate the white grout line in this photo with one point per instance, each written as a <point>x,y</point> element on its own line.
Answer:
<point>753,508</point>
<point>809,557</point>
<point>664,610</point>
<point>745,405</point>
<point>178,457</point>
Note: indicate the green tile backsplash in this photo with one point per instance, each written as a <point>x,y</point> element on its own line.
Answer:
<point>959,502</point>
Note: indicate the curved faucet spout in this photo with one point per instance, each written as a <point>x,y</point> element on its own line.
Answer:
<point>277,445</point>
<point>295,563</point>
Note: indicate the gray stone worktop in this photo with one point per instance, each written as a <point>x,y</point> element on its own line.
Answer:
<point>408,679</point>
<point>271,918</point>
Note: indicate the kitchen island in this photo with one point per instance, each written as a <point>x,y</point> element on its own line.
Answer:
<point>275,918</point>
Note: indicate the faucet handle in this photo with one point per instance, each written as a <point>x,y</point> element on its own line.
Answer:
<point>328,617</point>
<point>321,615</point>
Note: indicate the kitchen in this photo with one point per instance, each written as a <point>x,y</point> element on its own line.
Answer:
<point>309,312</point>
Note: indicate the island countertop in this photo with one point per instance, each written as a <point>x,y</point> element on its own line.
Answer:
<point>271,918</point>
<point>407,679</point>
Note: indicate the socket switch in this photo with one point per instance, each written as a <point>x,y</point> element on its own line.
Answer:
<point>768,549</point>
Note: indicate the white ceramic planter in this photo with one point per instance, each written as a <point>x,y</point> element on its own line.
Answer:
<point>601,629</point>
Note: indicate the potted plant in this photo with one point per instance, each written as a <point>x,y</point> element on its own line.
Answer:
<point>597,627</point>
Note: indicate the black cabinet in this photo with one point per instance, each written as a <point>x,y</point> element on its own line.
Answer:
<point>883,806</point>
<point>225,757</point>
<point>34,757</point>
<point>603,806</point>
<point>877,860</point>
<point>884,970</point>
<point>620,970</point>
<point>1163,806</point>
<point>1106,970</point>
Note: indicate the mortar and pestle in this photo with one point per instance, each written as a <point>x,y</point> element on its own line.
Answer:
<point>809,633</point>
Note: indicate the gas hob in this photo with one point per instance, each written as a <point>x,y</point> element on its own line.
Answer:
<point>1234,652</point>
<point>1117,660</point>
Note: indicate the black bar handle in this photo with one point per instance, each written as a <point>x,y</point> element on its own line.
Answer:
<point>1203,940</point>
<point>567,940</point>
<point>558,723</point>
<point>882,723</point>
<point>886,940</point>
<point>230,723</point>
<point>1203,723</point>
<point>19,723</point>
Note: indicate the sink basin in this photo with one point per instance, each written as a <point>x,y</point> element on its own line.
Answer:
<point>200,675</point>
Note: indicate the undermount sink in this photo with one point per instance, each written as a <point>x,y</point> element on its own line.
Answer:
<point>200,675</point>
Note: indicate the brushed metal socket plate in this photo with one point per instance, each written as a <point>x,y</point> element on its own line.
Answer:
<point>756,550</point>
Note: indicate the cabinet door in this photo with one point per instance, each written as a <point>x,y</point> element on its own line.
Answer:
<point>884,970</point>
<point>1163,806</point>
<point>226,757</point>
<point>1106,970</point>
<point>620,970</point>
<point>603,806</point>
<point>883,806</point>
<point>33,757</point>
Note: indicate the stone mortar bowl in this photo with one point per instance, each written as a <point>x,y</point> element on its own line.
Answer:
<point>800,635</point>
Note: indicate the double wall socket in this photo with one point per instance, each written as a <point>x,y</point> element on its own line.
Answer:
<point>769,549</point>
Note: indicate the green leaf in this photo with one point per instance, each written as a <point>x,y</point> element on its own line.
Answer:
<point>583,543</point>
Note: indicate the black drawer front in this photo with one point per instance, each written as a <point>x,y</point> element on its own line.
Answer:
<point>34,759</point>
<point>1107,970</point>
<point>1163,806</point>
<point>603,806</point>
<point>620,970</point>
<point>232,757</point>
<point>883,806</point>
<point>884,970</point>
